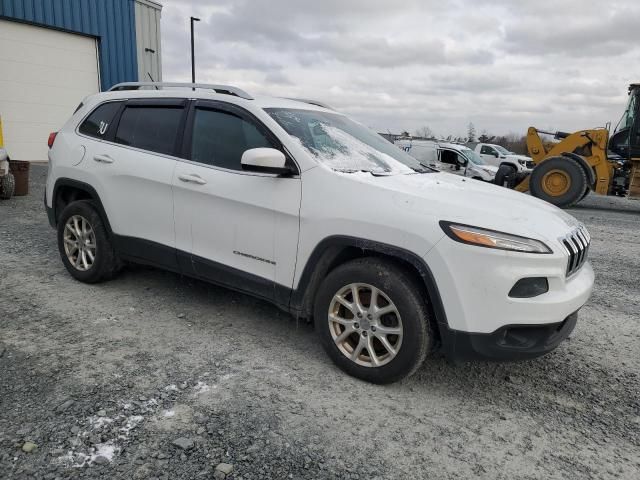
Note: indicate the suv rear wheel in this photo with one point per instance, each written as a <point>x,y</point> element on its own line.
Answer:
<point>372,321</point>
<point>84,244</point>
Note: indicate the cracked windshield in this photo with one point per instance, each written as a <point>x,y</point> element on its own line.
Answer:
<point>344,145</point>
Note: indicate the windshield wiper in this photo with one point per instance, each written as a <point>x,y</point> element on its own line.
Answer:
<point>375,174</point>
<point>422,170</point>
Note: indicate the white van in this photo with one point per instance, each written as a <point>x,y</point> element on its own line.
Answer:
<point>449,157</point>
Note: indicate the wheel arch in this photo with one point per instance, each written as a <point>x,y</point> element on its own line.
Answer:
<point>509,164</point>
<point>336,250</point>
<point>67,190</point>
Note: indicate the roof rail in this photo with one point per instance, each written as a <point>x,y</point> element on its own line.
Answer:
<point>224,89</point>
<point>311,102</point>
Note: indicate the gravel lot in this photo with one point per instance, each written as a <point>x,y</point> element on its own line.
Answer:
<point>156,375</point>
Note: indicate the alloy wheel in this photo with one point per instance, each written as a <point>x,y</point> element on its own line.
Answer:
<point>365,325</point>
<point>79,243</point>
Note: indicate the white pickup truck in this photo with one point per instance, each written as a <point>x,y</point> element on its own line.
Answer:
<point>498,155</point>
<point>449,157</point>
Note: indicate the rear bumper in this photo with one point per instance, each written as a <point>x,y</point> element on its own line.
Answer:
<point>508,343</point>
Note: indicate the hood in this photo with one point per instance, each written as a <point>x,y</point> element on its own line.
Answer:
<point>444,196</point>
<point>518,157</point>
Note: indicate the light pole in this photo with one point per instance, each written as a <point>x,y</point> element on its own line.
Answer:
<point>193,57</point>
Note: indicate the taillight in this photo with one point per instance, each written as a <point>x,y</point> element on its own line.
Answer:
<point>52,138</point>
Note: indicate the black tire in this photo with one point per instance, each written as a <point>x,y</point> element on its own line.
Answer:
<point>506,176</point>
<point>568,168</point>
<point>7,186</point>
<point>106,263</point>
<point>403,292</point>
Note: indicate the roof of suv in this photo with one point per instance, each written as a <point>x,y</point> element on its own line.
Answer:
<point>164,90</point>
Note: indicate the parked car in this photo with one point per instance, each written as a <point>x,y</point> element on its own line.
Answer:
<point>299,205</point>
<point>512,168</point>
<point>498,155</point>
<point>448,157</point>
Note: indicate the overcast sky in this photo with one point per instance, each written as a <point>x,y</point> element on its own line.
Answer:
<point>402,65</point>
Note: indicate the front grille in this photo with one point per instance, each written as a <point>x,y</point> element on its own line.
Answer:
<point>530,164</point>
<point>577,246</point>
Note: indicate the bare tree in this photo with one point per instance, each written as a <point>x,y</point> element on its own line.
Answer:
<point>424,132</point>
<point>486,138</point>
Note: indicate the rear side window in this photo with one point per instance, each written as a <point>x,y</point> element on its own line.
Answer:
<point>220,138</point>
<point>98,122</point>
<point>149,128</point>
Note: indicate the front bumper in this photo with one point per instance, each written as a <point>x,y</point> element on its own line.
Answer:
<point>508,343</point>
<point>474,284</point>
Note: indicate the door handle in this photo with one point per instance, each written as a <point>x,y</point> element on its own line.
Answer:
<point>193,178</point>
<point>103,158</point>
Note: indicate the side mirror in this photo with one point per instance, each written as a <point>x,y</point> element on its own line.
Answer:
<point>266,160</point>
<point>495,154</point>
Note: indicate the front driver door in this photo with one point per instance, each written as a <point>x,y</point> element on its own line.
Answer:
<point>234,227</point>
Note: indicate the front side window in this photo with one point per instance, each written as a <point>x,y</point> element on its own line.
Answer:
<point>220,138</point>
<point>150,128</point>
<point>502,150</point>
<point>472,156</point>
<point>342,144</point>
<point>485,150</point>
<point>98,122</point>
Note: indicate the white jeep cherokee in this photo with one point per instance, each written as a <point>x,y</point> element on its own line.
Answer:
<point>299,205</point>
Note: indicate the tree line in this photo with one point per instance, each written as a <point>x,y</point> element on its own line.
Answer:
<point>513,142</point>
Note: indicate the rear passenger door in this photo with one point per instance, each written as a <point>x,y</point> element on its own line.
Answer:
<point>132,169</point>
<point>239,228</point>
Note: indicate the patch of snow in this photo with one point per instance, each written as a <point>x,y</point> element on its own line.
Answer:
<point>170,388</point>
<point>168,413</point>
<point>96,423</point>
<point>132,422</point>
<point>201,387</point>
<point>341,151</point>
<point>106,450</point>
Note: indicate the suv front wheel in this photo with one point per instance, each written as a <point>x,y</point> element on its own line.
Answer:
<point>84,244</point>
<point>372,320</point>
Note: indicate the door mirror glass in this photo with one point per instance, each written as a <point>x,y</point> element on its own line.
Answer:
<point>268,160</point>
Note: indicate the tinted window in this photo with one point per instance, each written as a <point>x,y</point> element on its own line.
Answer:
<point>97,124</point>
<point>149,128</point>
<point>220,138</point>
<point>487,150</point>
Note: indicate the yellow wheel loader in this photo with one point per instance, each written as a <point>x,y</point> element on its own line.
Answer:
<point>587,160</point>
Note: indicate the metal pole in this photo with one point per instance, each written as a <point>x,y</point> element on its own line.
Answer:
<point>193,57</point>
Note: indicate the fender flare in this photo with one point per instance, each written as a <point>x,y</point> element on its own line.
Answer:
<point>591,176</point>
<point>511,164</point>
<point>328,251</point>
<point>68,182</point>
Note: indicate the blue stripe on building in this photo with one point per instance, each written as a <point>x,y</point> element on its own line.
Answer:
<point>111,22</point>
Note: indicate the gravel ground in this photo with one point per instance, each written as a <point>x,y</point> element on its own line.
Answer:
<point>154,375</point>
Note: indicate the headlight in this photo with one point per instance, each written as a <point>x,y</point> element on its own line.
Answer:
<point>522,162</point>
<point>482,237</point>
